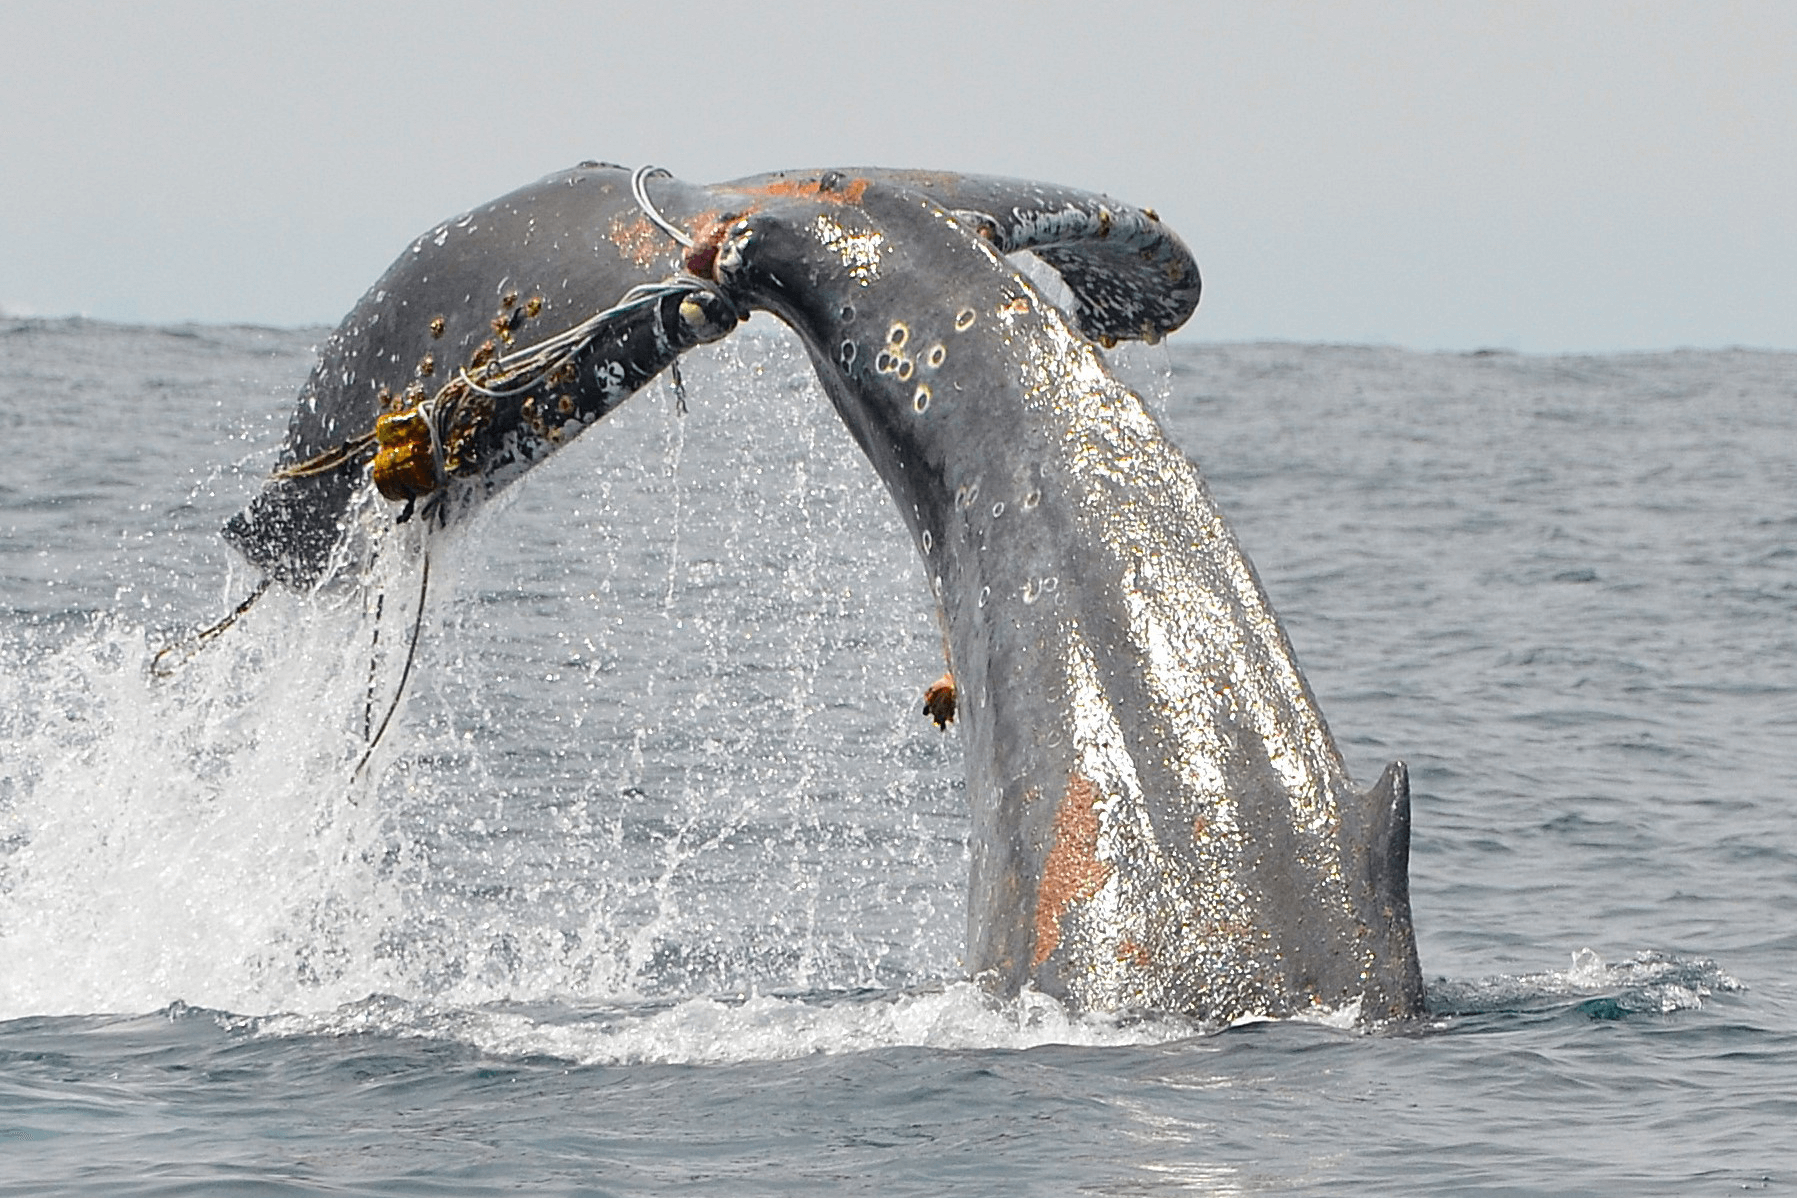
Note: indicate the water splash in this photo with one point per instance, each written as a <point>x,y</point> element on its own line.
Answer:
<point>631,762</point>
<point>199,835</point>
<point>713,1030</point>
<point>1647,983</point>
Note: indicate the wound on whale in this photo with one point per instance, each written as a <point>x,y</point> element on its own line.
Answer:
<point>1160,817</point>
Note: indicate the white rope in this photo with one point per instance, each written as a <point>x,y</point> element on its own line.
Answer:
<point>639,189</point>
<point>554,352</point>
<point>551,354</point>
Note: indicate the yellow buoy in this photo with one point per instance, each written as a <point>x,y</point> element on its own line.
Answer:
<point>405,466</point>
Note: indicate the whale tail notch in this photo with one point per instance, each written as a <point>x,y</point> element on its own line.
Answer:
<point>1396,992</point>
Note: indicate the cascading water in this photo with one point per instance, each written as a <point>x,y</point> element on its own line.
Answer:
<point>625,764</point>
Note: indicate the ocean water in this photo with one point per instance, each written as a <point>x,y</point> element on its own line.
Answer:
<point>654,882</point>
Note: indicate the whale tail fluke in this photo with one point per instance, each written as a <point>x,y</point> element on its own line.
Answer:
<point>1385,837</point>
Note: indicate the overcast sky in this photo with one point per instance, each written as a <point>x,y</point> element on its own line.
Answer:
<point>1539,176</point>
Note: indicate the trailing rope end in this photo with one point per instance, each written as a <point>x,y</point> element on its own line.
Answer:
<point>197,641</point>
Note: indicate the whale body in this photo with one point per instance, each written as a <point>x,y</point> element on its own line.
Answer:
<point>1161,819</point>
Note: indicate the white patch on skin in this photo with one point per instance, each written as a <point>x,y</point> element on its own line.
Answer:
<point>860,252</point>
<point>1218,674</point>
<point>1196,628</point>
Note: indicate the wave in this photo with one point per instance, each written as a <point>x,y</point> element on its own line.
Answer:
<point>1653,983</point>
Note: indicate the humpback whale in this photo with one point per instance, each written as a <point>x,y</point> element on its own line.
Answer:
<point>1160,816</point>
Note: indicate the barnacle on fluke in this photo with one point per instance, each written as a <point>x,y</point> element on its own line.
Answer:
<point>939,701</point>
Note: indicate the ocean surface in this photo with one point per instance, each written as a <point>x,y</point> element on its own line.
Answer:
<point>654,883</point>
